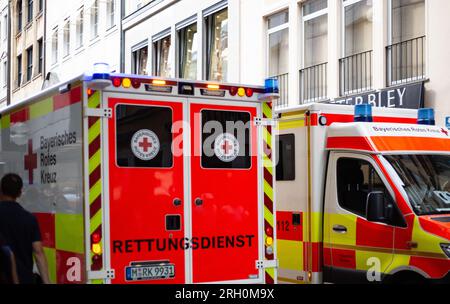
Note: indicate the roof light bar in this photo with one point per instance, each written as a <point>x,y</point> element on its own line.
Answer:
<point>363,113</point>
<point>426,117</point>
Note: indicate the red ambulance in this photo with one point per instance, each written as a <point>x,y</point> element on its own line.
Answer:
<point>135,179</point>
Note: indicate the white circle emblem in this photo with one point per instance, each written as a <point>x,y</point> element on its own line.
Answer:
<point>226,147</point>
<point>145,145</point>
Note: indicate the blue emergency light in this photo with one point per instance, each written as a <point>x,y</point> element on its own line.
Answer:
<point>363,113</point>
<point>426,117</point>
<point>271,86</point>
<point>101,71</point>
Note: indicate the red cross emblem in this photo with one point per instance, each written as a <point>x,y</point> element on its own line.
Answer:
<point>226,147</point>
<point>145,144</point>
<point>30,161</point>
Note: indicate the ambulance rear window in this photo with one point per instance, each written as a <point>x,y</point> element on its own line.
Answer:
<point>144,136</point>
<point>226,140</point>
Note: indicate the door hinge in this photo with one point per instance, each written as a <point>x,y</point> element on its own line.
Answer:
<point>102,275</point>
<point>102,112</point>
<point>265,122</point>
<point>267,264</point>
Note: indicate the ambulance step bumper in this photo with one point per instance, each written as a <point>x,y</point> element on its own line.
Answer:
<point>267,264</point>
<point>102,275</point>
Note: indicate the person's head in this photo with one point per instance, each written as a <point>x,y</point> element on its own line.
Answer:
<point>11,186</point>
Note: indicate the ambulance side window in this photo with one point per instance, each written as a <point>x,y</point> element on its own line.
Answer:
<point>226,140</point>
<point>286,157</point>
<point>357,178</point>
<point>144,136</point>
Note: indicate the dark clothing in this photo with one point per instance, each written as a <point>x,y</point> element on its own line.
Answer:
<point>5,265</point>
<point>20,230</point>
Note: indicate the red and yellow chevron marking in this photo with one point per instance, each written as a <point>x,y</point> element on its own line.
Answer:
<point>41,108</point>
<point>268,188</point>
<point>95,176</point>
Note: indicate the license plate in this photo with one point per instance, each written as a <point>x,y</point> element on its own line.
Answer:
<point>150,272</point>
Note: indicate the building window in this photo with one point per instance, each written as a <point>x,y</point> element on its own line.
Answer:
<point>111,13</point>
<point>30,11</point>
<point>19,71</point>
<point>188,51</point>
<point>5,27</point>
<point>80,28</point>
<point>66,39</point>
<point>140,60</point>
<point>278,52</point>
<point>217,46</point>
<point>29,63</point>
<point>19,16</point>
<point>94,20</point>
<point>313,77</point>
<point>41,5</point>
<point>356,66</point>
<point>55,46</point>
<point>41,56</point>
<point>5,74</point>
<point>161,57</point>
<point>406,50</point>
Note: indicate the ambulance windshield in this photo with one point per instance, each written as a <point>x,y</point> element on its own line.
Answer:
<point>426,181</point>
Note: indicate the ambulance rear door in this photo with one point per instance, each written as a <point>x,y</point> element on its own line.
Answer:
<point>225,201</point>
<point>146,188</point>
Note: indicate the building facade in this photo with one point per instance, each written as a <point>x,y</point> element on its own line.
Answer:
<point>27,42</point>
<point>81,33</point>
<point>386,52</point>
<point>4,35</point>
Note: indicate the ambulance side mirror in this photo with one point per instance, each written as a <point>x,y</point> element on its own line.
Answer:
<point>376,207</point>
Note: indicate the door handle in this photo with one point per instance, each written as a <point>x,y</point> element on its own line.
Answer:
<point>198,202</point>
<point>177,202</point>
<point>340,229</point>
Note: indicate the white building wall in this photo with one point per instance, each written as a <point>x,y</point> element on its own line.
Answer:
<point>104,48</point>
<point>3,51</point>
<point>248,42</point>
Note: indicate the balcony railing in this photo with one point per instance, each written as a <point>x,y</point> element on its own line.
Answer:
<point>283,82</point>
<point>313,83</point>
<point>406,61</point>
<point>356,73</point>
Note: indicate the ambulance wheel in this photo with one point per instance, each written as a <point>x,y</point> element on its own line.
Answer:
<point>406,278</point>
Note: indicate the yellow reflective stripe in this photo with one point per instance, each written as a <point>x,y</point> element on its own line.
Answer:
<point>268,138</point>
<point>94,100</point>
<point>317,232</point>
<point>69,233</point>
<point>94,131</point>
<point>267,110</point>
<point>271,272</point>
<point>363,259</point>
<point>287,280</point>
<point>268,190</point>
<point>291,124</point>
<point>290,255</point>
<point>426,241</point>
<point>268,216</point>
<point>6,121</point>
<point>269,168</point>
<point>95,192</point>
<point>50,254</point>
<point>41,108</point>
<point>399,261</point>
<point>96,221</point>
<point>95,161</point>
<point>347,220</point>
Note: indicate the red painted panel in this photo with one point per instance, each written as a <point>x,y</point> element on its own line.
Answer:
<point>435,268</point>
<point>230,209</point>
<point>350,143</point>
<point>327,256</point>
<point>63,100</point>
<point>140,200</point>
<point>47,226</point>
<point>70,268</point>
<point>286,230</point>
<point>20,116</point>
<point>374,234</point>
<point>343,258</point>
